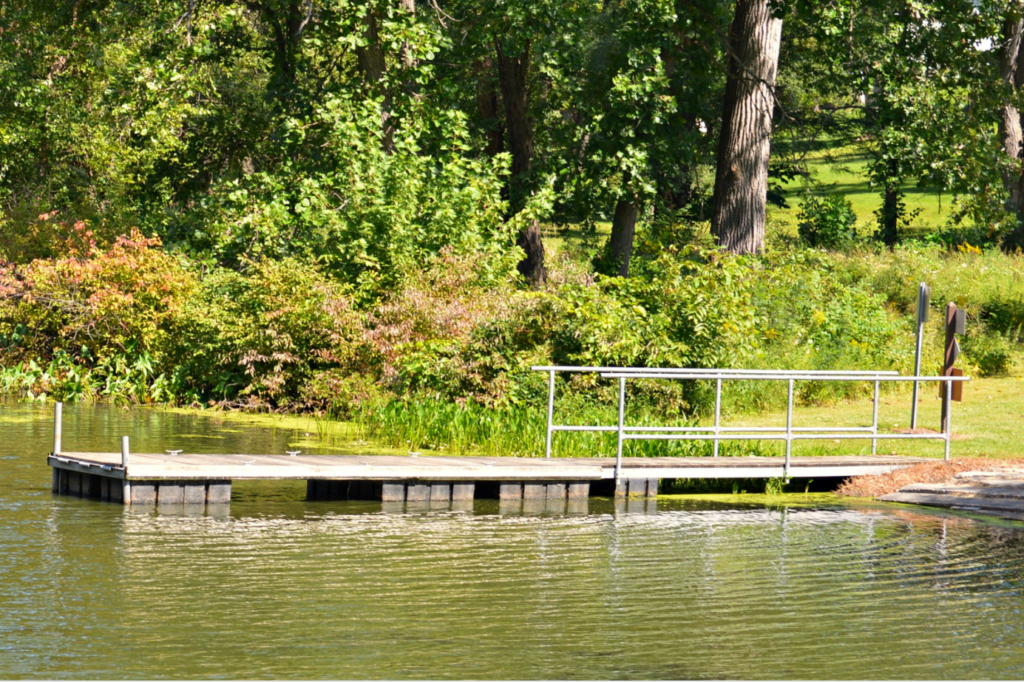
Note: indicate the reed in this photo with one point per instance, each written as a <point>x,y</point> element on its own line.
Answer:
<point>519,431</point>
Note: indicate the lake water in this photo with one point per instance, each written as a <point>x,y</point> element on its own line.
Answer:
<point>278,587</point>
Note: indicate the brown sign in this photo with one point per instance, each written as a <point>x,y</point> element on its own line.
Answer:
<point>958,386</point>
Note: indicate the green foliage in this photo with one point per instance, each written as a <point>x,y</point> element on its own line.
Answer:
<point>827,221</point>
<point>95,302</point>
<point>259,338</point>
<point>366,213</point>
<point>687,310</point>
<point>991,353</point>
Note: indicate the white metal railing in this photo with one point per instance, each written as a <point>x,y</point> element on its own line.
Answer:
<point>717,433</point>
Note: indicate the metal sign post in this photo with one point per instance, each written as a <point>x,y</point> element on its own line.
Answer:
<point>924,294</point>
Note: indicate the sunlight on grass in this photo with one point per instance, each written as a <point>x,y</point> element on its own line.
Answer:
<point>846,174</point>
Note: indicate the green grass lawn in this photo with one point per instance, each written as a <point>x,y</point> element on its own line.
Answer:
<point>840,171</point>
<point>846,173</point>
<point>988,423</point>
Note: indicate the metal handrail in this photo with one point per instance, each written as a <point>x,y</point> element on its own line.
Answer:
<point>718,433</point>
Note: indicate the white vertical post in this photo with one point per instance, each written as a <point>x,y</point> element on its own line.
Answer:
<point>126,486</point>
<point>874,422</point>
<point>551,411</point>
<point>923,296</point>
<point>622,420</point>
<point>58,427</point>
<point>718,411</point>
<point>947,426</point>
<point>789,429</point>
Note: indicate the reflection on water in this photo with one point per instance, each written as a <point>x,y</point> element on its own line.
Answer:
<point>273,586</point>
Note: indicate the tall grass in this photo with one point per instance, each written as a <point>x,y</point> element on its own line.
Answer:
<point>445,427</point>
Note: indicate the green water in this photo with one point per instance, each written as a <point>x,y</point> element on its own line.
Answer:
<point>278,587</point>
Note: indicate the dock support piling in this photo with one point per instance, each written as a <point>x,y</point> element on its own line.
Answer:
<point>417,492</point>
<point>392,492</point>
<point>578,491</point>
<point>534,491</point>
<point>218,492</point>
<point>143,493</point>
<point>170,493</point>
<point>510,491</point>
<point>58,427</point>
<point>194,493</point>
<point>463,491</point>
<point>440,492</point>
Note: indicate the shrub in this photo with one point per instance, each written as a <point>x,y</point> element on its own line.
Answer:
<point>827,222</point>
<point>991,353</point>
<point>93,303</point>
<point>257,338</point>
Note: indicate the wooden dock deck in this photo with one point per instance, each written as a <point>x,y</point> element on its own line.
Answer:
<point>206,479</point>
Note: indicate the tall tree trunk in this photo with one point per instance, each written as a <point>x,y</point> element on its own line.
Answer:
<point>487,105</point>
<point>891,215</point>
<point>620,243</point>
<point>512,73</point>
<point>373,66</point>
<point>405,52</point>
<point>1011,72</point>
<point>741,178</point>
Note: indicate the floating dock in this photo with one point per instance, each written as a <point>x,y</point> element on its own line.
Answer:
<point>190,479</point>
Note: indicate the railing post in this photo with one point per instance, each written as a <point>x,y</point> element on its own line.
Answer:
<point>58,427</point>
<point>789,430</point>
<point>126,486</point>
<point>947,422</point>
<point>923,296</point>
<point>874,421</point>
<point>551,411</point>
<point>622,419</point>
<point>718,411</point>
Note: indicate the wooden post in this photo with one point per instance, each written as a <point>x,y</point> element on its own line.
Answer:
<point>954,325</point>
